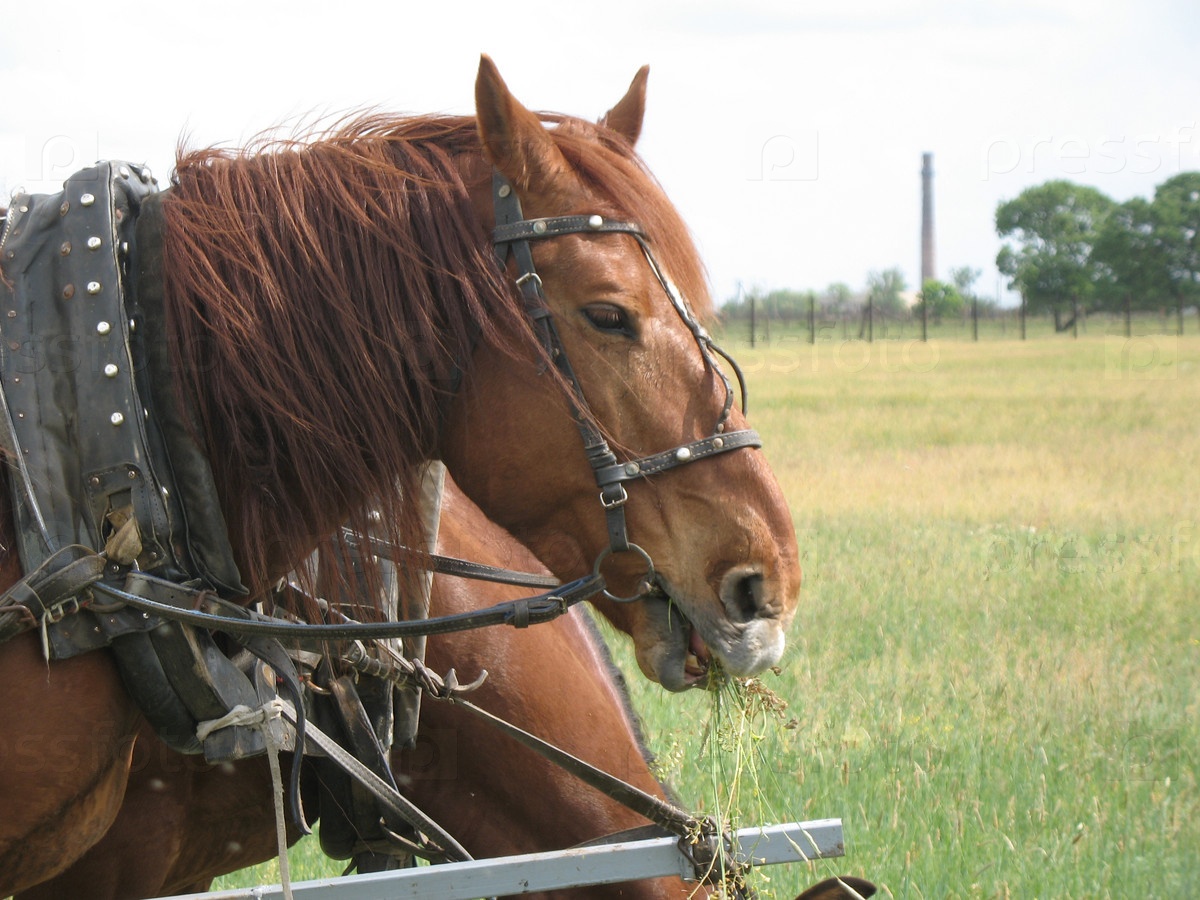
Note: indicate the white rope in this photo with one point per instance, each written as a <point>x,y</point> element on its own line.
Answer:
<point>261,718</point>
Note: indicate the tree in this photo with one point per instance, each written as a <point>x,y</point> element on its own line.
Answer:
<point>944,300</point>
<point>1177,209</point>
<point>786,305</point>
<point>838,298</point>
<point>1053,228</point>
<point>1129,253</point>
<point>964,278</point>
<point>885,288</point>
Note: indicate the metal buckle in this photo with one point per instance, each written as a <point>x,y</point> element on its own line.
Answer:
<point>617,501</point>
<point>58,612</point>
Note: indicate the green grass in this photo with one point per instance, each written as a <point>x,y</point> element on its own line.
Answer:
<point>992,678</point>
<point>994,667</point>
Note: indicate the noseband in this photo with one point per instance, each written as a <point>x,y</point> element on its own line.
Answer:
<point>514,232</point>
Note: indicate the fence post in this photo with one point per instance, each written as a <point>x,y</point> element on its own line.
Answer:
<point>924,316</point>
<point>753,324</point>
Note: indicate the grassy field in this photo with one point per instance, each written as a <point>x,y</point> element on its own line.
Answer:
<point>995,668</point>
<point>993,676</point>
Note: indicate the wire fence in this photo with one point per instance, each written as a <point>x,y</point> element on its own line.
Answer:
<point>1008,324</point>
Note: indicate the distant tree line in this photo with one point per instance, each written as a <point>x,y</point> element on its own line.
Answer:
<point>884,292</point>
<point>1070,249</point>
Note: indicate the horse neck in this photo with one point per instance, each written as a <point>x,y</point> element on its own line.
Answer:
<point>553,680</point>
<point>317,330</point>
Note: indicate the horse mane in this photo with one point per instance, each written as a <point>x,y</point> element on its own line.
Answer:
<point>321,292</point>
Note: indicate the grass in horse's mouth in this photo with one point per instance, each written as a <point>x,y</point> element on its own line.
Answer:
<point>742,713</point>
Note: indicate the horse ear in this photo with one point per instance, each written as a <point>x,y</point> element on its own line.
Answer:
<point>514,139</point>
<point>626,117</point>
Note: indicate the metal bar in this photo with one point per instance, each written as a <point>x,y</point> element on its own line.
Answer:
<point>605,864</point>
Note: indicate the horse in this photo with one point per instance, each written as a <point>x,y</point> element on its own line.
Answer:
<point>336,311</point>
<point>183,822</point>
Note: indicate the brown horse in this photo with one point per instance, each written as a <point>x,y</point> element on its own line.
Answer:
<point>323,302</point>
<point>183,822</point>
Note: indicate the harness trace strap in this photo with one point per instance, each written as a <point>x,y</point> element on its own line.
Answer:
<point>513,233</point>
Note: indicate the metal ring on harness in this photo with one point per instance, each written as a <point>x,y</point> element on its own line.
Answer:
<point>644,586</point>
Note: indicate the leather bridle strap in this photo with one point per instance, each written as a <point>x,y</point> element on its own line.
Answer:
<point>450,565</point>
<point>514,233</point>
<point>675,820</point>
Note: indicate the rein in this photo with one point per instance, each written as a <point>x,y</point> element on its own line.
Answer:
<point>513,233</point>
<point>204,609</point>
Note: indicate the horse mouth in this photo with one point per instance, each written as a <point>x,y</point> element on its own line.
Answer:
<point>686,658</point>
<point>698,658</point>
<point>695,649</point>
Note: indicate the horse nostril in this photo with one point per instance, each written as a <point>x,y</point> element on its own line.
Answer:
<point>744,596</point>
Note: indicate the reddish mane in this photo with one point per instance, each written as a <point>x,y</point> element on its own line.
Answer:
<point>320,293</point>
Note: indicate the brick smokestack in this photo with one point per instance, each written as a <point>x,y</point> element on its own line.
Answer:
<point>927,267</point>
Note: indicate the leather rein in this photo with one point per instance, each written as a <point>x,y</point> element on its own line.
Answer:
<point>514,233</point>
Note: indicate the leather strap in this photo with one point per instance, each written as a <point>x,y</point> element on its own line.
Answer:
<point>392,800</point>
<point>557,226</point>
<point>454,566</point>
<point>660,812</point>
<point>670,459</point>
<point>62,576</point>
<point>527,611</point>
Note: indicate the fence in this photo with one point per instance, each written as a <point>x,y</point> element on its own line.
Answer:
<point>1004,324</point>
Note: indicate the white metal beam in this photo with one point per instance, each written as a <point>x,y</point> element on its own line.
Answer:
<point>602,864</point>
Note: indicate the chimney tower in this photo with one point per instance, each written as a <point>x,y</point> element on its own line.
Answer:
<point>927,267</point>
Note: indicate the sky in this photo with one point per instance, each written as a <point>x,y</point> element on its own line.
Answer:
<point>789,134</point>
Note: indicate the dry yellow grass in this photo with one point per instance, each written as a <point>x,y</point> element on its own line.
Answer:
<point>1043,433</point>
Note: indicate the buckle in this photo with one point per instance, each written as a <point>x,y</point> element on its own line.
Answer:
<point>619,499</point>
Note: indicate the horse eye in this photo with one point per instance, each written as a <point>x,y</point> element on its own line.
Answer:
<point>609,318</point>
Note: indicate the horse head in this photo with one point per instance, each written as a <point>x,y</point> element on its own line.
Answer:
<point>707,551</point>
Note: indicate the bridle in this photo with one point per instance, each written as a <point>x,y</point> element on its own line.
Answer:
<point>513,232</point>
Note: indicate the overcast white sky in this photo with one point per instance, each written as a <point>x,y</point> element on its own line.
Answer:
<point>790,134</point>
